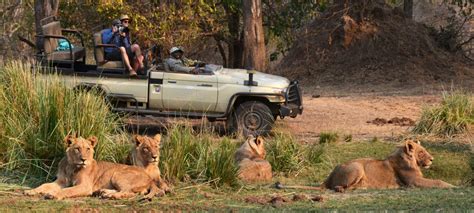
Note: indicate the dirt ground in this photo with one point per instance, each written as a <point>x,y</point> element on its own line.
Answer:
<point>354,115</point>
<point>364,117</point>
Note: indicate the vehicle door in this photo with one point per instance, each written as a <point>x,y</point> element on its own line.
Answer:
<point>155,87</point>
<point>189,92</point>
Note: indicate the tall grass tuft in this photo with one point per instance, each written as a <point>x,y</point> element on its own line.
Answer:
<point>452,116</point>
<point>186,155</point>
<point>285,154</point>
<point>328,137</point>
<point>37,111</point>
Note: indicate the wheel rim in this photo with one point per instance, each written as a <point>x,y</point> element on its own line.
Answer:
<point>252,121</point>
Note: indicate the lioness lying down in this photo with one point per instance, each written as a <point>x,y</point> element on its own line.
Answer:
<point>400,169</point>
<point>250,158</point>
<point>146,154</point>
<point>80,175</point>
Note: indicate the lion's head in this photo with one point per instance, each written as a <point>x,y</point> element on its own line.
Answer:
<point>416,154</point>
<point>147,150</point>
<point>257,145</point>
<point>80,151</point>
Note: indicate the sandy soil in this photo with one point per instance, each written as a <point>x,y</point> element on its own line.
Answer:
<point>350,115</point>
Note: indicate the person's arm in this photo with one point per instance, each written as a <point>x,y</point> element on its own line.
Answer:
<point>177,66</point>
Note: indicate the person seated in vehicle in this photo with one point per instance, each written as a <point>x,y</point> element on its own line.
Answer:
<point>117,36</point>
<point>178,63</point>
<point>135,48</point>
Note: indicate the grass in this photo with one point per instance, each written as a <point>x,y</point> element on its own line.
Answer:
<point>192,196</point>
<point>39,111</point>
<point>328,137</point>
<point>188,156</point>
<point>452,116</point>
<point>285,154</point>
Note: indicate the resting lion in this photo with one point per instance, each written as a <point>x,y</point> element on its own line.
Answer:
<point>146,154</point>
<point>250,158</point>
<point>80,175</point>
<point>400,169</point>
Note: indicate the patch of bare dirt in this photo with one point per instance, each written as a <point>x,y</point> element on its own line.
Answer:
<point>279,200</point>
<point>349,116</point>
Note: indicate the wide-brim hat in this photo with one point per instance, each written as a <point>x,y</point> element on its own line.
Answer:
<point>123,17</point>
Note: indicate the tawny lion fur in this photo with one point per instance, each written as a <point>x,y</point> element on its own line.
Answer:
<point>250,158</point>
<point>400,169</point>
<point>146,154</point>
<point>80,175</point>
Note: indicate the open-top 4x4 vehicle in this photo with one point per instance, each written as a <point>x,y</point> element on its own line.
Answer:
<point>249,101</point>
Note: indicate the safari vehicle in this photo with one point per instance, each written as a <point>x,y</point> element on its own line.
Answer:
<point>249,101</point>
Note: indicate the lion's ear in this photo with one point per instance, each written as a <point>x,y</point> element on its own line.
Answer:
<point>157,138</point>
<point>93,140</point>
<point>69,140</point>
<point>259,140</point>
<point>138,140</point>
<point>409,147</point>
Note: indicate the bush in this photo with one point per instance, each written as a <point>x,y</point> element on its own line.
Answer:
<point>39,111</point>
<point>328,137</point>
<point>186,155</point>
<point>285,154</point>
<point>453,116</point>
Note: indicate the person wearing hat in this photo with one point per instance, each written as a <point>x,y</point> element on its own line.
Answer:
<point>133,48</point>
<point>116,37</point>
<point>178,63</point>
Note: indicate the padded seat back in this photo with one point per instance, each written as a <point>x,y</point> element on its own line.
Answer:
<point>99,54</point>
<point>50,44</point>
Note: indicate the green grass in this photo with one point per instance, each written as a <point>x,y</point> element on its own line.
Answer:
<point>451,164</point>
<point>452,116</point>
<point>38,112</point>
<point>188,156</point>
<point>328,137</point>
<point>285,154</point>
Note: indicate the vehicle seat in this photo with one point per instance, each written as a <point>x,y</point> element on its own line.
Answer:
<point>51,33</point>
<point>100,54</point>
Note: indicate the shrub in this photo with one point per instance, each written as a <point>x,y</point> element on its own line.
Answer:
<point>285,154</point>
<point>38,111</point>
<point>186,155</point>
<point>328,137</point>
<point>452,116</point>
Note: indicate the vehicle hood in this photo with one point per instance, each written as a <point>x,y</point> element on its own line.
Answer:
<point>238,76</point>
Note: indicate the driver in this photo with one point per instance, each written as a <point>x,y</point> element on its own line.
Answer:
<point>178,63</point>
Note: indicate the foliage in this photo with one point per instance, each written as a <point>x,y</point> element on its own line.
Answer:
<point>187,156</point>
<point>452,116</point>
<point>285,154</point>
<point>328,137</point>
<point>39,111</point>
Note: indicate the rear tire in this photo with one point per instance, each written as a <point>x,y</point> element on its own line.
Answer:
<point>251,118</point>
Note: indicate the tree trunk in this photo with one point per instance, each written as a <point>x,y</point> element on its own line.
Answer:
<point>43,9</point>
<point>408,8</point>
<point>234,44</point>
<point>254,52</point>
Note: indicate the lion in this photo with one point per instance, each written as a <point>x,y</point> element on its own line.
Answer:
<point>250,158</point>
<point>400,169</point>
<point>80,175</point>
<point>146,154</point>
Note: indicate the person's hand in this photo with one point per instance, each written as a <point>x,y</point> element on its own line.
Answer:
<point>195,71</point>
<point>114,29</point>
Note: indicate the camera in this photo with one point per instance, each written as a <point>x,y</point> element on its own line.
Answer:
<point>122,29</point>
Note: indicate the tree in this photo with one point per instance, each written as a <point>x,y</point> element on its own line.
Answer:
<point>408,8</point>
<point>254,52</point>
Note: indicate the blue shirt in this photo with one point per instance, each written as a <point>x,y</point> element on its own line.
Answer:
<point>108,37</point>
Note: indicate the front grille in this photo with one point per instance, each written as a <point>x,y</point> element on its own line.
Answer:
<point>293,95</point>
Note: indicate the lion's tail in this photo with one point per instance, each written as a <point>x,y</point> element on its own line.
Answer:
<point>278,185</point>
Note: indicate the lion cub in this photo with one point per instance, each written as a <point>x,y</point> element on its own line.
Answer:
<point>146,154</point>
<point>250,158</point>
<point>80,175</point>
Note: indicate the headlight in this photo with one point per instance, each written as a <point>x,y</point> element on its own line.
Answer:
<point>280,91</point>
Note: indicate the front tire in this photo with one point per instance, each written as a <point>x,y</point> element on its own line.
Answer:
<point>251,118</point>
